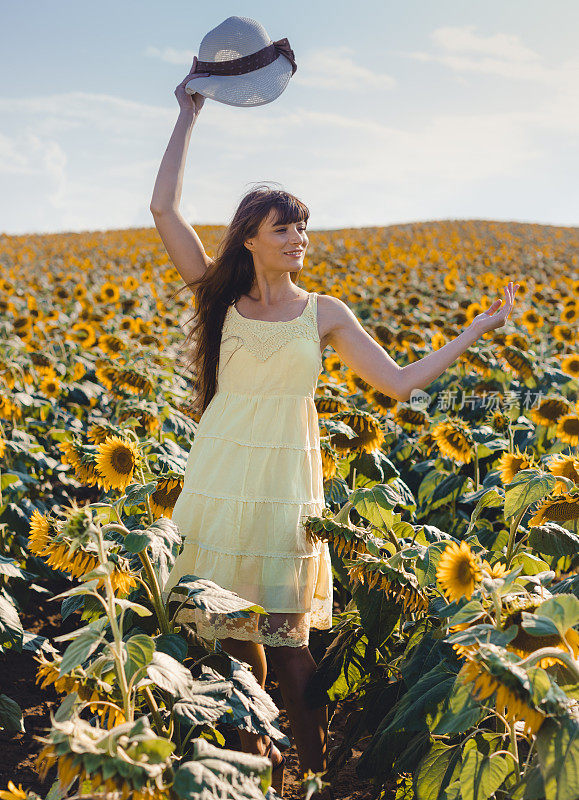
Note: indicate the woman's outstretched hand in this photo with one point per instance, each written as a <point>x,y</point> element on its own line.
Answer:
<point>496,315</point>
<point>190,102</point>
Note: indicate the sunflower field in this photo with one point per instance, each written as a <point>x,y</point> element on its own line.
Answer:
<point>452,522</point>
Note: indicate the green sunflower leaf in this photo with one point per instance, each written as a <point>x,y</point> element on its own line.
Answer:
<point>558,749</point>
<point>527,490</point>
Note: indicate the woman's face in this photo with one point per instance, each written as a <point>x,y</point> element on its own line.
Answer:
<point>279,246</point>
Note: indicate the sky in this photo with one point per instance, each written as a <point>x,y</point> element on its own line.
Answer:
<point>398,112</point>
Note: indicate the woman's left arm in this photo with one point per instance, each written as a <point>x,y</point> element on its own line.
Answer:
<point>368,359</point>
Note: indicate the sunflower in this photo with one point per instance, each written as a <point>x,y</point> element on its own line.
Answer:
<point>517,361</point>
<point>564,333</point>
<point>43,363</point>
<point>111,345</point>
<point>369,434</point>
<point>566,467</point>
<point>458,571</point>
<point>83,461</point>
<point>165,496</point>
<point>570,313</point>
<point>517,340</point>
<point>478,362</point>
<point>428,442</point>
<point>511,463</point>
<point>98,433</point>
<point>524,644</point>
<point>556,508</point>
<point>133,382</point>
<point>8,409</point>
<point>513,699</point>
<point>146,418</point>
<point>570,365</point>
<point>106,374</point>
<point>382,402</point>
<point>450,281</point>
<point>41,528</point>
<point>82,333</point>
<point>109,293</point>
<point>116,462</point>
<point>549,410</point>
<point>329,461</point>
<point>531,320</point>
<point>50,387</point>
<point>396,587</point>
<point>131,284</point>
<point>437,341</point>
<point>127,324</point>
<point>68,545</point>
<point>500,422</point>
<point>114,763</point>
<point>497,570</point>
<point>568,429</point>
<point>355,383</point>
<point>13,793</point>
<point>410,418</point>
<point>454,440</point>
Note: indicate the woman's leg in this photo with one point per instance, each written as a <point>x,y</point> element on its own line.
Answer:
<point>293,667</point>
<point>254,655</point>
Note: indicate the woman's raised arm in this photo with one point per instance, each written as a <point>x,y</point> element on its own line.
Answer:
<point>367,358</point>
<point>184,247</point>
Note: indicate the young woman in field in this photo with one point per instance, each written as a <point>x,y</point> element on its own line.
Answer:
<point>254,469</point>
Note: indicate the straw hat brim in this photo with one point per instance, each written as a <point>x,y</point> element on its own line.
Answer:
<point>250,89</point>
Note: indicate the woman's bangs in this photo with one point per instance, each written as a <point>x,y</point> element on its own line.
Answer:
<point>290,210</point>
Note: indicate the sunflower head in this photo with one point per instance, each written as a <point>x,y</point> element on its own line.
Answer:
<point>524,644</point>
<point>116,462</point>
<point>559,508</point>
<point>165,496</point>
<point>500,421</point>
<point>490,671</point>
<point>549,410</point>
<point>458,571</point>
<point>568,429</point>
<point>454,440</point>
<point>570,365</point>
<point>511,463</point>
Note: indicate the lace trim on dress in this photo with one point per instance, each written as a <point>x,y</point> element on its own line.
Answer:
<point>264,345</point>
<point>278,629</point>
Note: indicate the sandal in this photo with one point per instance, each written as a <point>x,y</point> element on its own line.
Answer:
<point>277,770</point>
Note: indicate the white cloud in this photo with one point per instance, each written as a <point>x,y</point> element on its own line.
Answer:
<point>462,49</point>
<point>338,68</point>
<point>170,55</point>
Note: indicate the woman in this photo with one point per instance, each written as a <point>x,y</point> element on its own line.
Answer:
<point>254,470</point>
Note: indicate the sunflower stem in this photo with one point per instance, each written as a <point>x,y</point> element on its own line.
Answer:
<point>513,738</point>
<point>117,645</point>
<point>512,534</point>
<point>154,710</point>
<point>511,439</point>
<point>155,588</point>
<point>476,470</point>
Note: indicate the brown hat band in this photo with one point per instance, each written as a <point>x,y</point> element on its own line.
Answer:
<point>239,66</point>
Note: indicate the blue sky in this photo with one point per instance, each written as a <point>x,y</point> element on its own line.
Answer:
<point>399,111</point>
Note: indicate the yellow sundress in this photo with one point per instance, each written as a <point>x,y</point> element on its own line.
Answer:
<point>253,473</point>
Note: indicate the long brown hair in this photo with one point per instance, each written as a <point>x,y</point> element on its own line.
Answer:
<point>231,275</point>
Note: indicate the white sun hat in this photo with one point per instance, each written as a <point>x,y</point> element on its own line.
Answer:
<point>247,68</point>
